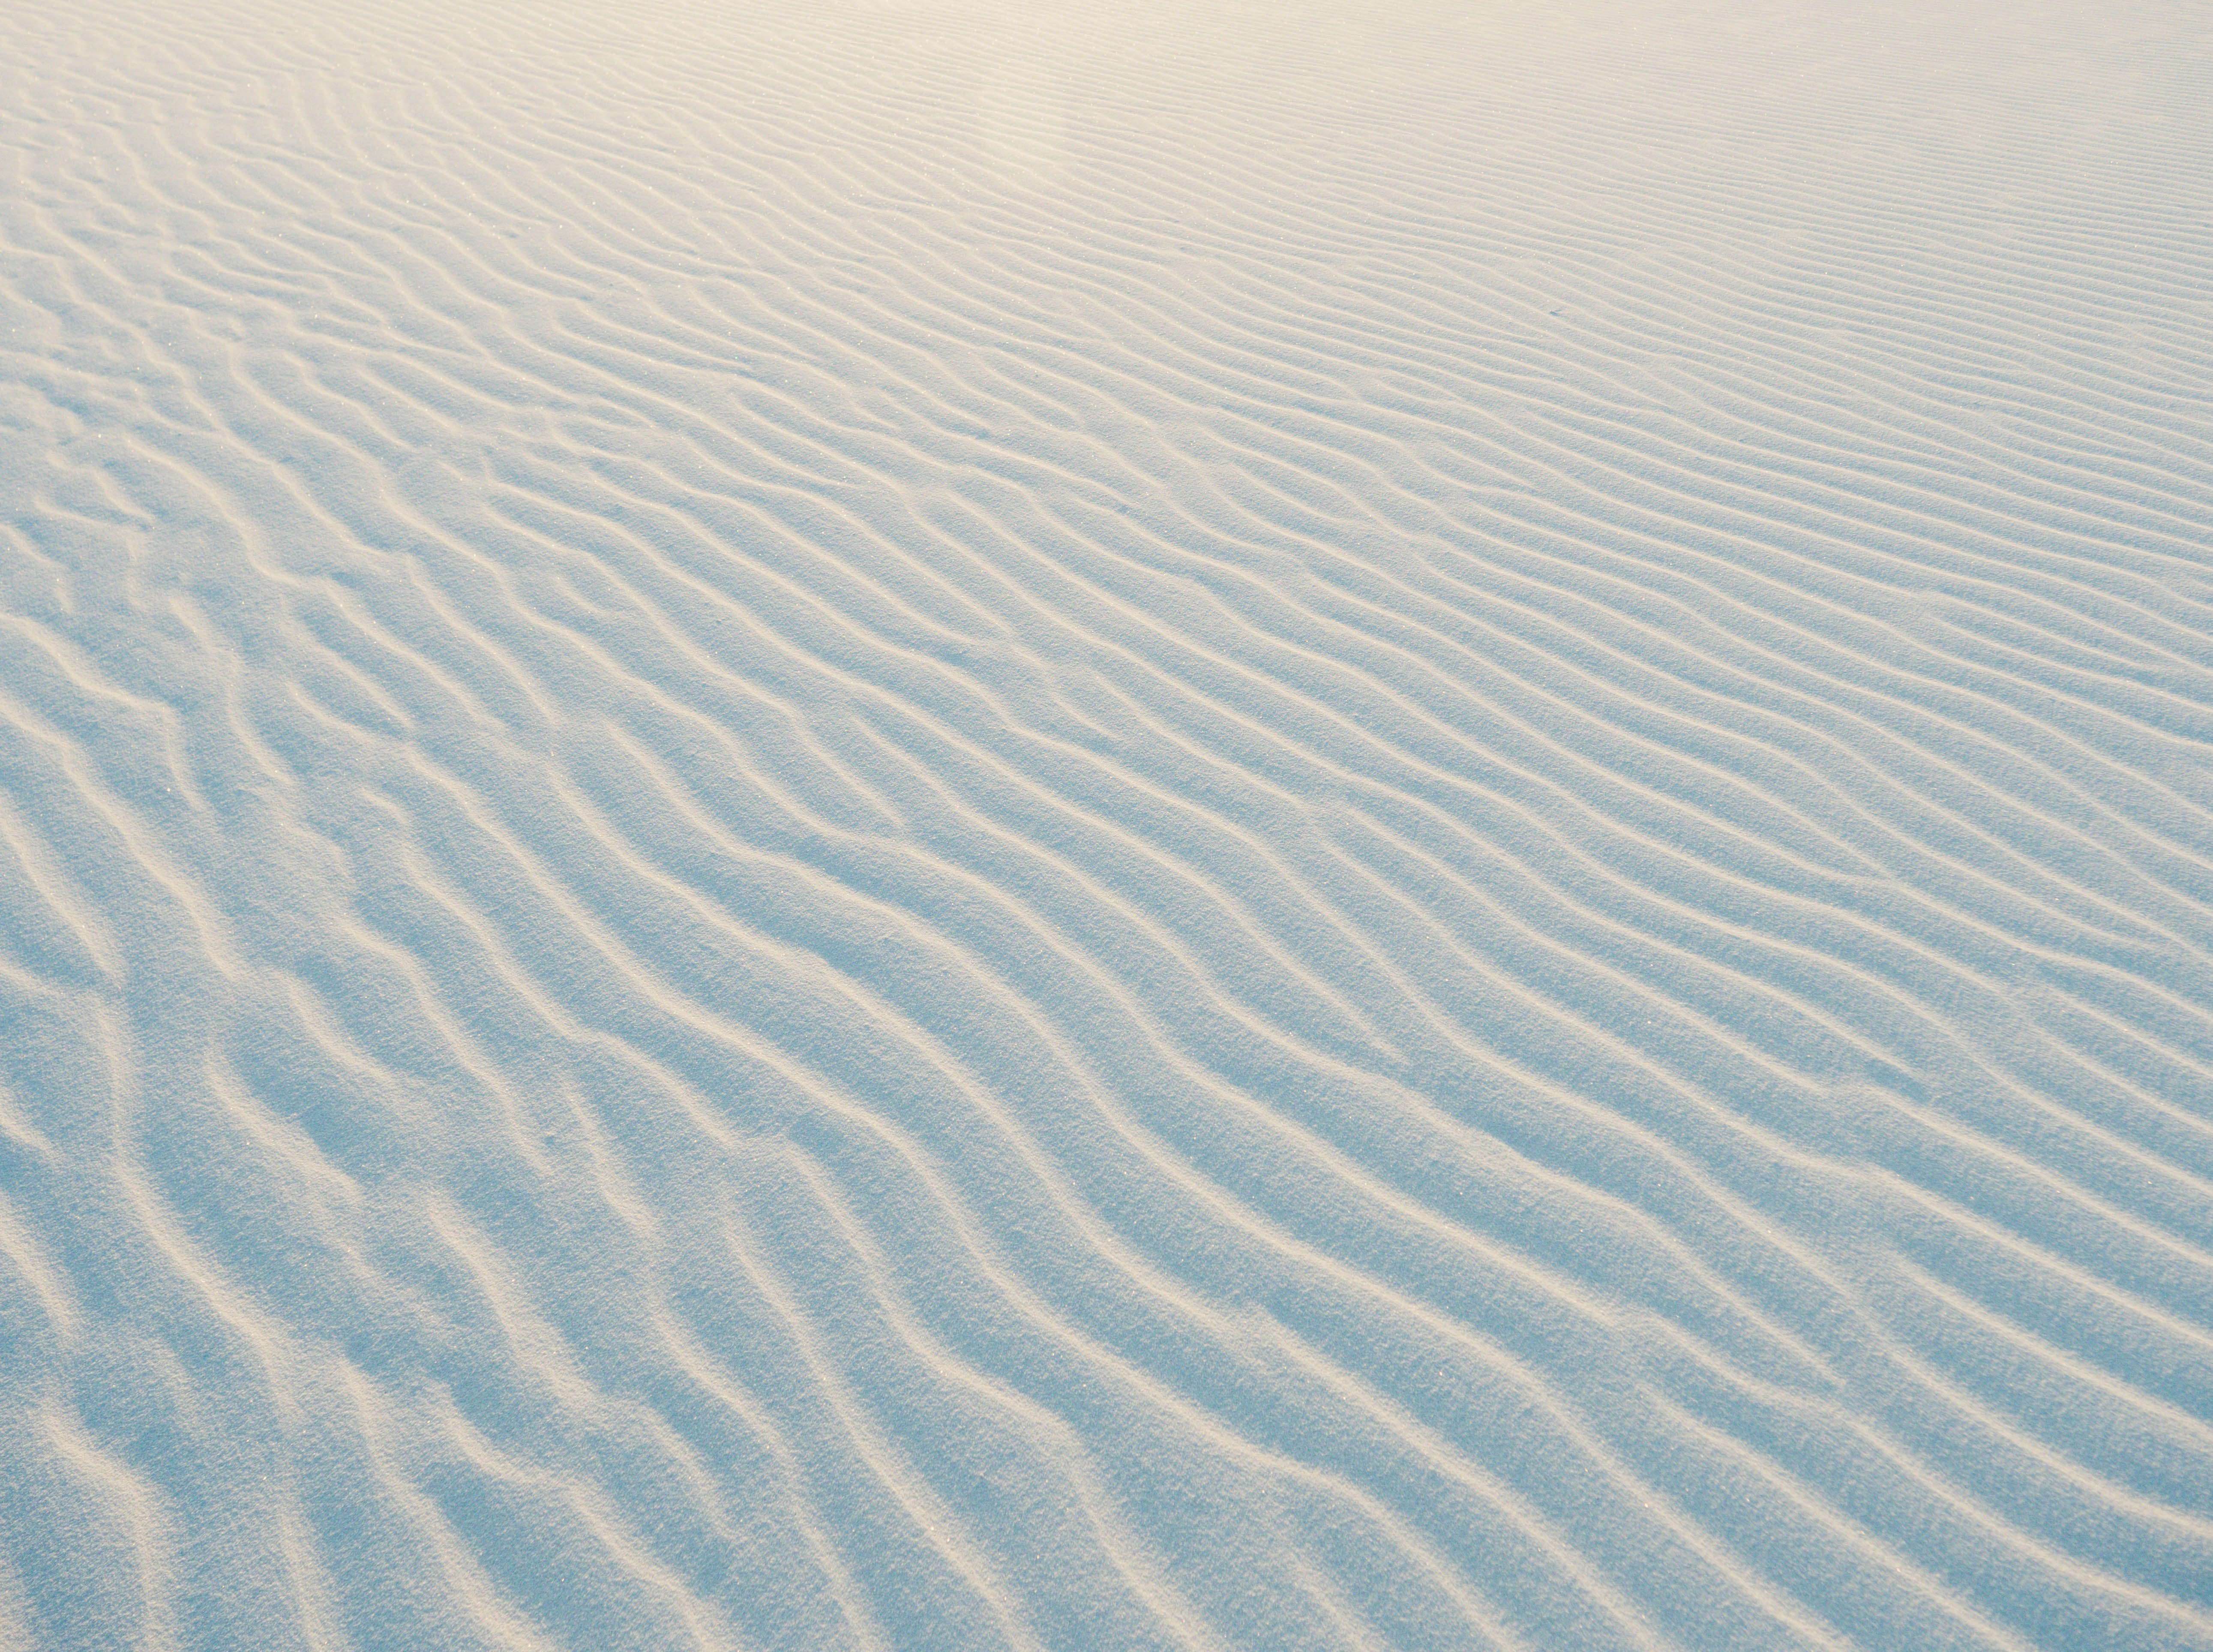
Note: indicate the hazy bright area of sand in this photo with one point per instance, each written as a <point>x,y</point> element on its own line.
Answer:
<point>1282,826</point>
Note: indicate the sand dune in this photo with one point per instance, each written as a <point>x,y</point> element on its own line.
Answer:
<point>938,826</point>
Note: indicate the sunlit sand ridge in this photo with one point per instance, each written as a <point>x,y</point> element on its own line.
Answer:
<point>943,827</point>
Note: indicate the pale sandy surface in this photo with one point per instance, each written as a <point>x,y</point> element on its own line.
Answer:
<point>1268,827</point>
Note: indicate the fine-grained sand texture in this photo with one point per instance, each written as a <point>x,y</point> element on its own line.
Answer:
<point>1384,825</point>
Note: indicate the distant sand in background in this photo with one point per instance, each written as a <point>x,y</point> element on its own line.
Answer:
<point>1263,826</point>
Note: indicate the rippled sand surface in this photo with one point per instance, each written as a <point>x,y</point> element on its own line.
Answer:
<point>938,826</point>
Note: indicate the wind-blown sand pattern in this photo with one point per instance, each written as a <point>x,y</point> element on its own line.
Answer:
<point>961,828</point>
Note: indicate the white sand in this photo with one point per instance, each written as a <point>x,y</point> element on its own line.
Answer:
<point>1246,826</point>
